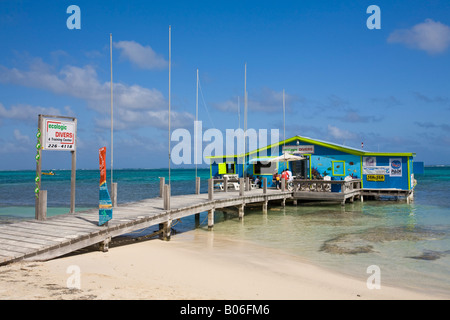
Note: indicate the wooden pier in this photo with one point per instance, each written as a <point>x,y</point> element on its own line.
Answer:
<point>59,235</point>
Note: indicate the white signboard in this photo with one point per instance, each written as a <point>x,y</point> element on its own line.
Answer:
<point>298,149</point>
<point>396,167</point>
<point>59,135</point>
<point>377,170</point>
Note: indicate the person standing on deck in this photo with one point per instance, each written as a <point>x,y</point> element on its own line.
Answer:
<point>285,175</point>
<point>276,179</point>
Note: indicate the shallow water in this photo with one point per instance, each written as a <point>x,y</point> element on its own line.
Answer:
<point>410,243</point>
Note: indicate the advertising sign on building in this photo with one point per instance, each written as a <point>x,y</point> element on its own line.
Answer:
<point>369,161</point>
<point>59,135</point>
<point>298,149</point>
<point>375,177</point>
<point>395,165</point>
<point>376,170</point>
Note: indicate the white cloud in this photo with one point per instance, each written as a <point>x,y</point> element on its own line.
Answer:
<point>133,104</point>
<point>20,137</point>
<point>229,105</point>
<point>127,118</point>
<point>430,36</point>
<point>83,83</point>
<point>340,134</point>
<point>15,144</point>
<point>266,100</point>
<point>354,116</point>
<point>428,99</point>
<point>27,112</point>
<point>143,57</point>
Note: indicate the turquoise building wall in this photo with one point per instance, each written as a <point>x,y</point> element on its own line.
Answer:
<point>327,159</point>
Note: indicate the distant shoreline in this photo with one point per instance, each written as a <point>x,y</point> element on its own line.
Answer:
<point>172,169</point>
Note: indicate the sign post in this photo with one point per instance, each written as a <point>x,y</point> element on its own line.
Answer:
<point>55,133</point>
<point>37,208</point>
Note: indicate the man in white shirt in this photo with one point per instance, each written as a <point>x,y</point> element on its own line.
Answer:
<point>290,177</point>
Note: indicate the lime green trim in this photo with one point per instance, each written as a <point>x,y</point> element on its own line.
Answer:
<point>310,175</point>
<point>322,144</point>
<point>332,168</point>
<point>391,154</point>
<point>210,170</point>
<point>409,175</point>
<point>361,163</point>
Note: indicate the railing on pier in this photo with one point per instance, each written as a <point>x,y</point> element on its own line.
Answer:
<point>302,185</point>
<point>233,184</point>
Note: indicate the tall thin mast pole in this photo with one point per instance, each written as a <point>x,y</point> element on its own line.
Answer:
<point>170,58</point>
<point>195,127</point>
<point>239,114</point>
<point>245,116</point>
<point>284,120</point>
<point>112,123</point>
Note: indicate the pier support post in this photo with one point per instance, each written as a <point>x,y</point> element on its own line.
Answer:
<point>166,230</point>
<point>283,202</point>
<point>241,187</point>
<point>283,184</point>
<point>42,212</point>
<point>162,182</point>
<point>410,197</point>
<point>225,184</point>
<point>294,202</point>
<point>264,185</point>
<point>241,211</point>
<point>197,220</point>
<point>210,189</point>
<point>166,197</point>
<point>104,245</point>
<point>210,219</point>
<point>247,184</point>
<point>114,194</point>
<point>361,198</point>
<point>264,206</point>
<point>197,185</point>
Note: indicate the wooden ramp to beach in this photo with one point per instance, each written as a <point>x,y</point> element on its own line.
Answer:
<point>63,234</point>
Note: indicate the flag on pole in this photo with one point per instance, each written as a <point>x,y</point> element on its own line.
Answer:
<point>105,204</point>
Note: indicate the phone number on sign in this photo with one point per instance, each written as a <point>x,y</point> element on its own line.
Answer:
<point>57,146</point>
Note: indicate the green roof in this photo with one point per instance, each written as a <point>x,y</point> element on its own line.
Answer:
<point>338,147</point>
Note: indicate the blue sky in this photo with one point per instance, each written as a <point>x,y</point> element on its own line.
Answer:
<point>344,83</point>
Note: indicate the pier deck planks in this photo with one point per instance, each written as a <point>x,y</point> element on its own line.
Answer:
<point>59,235</point>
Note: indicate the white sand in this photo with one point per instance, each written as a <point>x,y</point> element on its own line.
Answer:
<point>193,265</point>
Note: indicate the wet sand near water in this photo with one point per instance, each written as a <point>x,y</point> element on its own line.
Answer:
<point>193,265</point>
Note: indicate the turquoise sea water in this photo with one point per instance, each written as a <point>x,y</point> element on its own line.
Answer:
<point>410,243</point>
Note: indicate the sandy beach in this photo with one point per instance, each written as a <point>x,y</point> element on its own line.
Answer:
<point>193,265</point>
